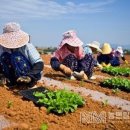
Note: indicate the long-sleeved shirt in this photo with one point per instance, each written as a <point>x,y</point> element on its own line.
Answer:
<point>29,51</point>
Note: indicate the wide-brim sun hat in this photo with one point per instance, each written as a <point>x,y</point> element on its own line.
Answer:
<point>119,49</point>
<point>106,48</point>
<point>71,39</point>
<point>13,37</point>
<point>95,45</point>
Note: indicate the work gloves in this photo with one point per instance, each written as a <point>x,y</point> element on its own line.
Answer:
<point>66,70</point>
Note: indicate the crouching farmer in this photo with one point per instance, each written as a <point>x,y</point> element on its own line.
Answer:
<point>19,60</point>
<point>70,59</point>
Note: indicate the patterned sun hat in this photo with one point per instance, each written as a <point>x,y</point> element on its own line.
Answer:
<point>71,39</point>
<point>13,37</point>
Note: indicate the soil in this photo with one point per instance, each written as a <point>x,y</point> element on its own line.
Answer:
<point>48,72</point>
<point>27,116</point>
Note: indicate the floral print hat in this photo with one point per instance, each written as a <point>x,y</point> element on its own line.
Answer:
<point>71,39</point>
<point>13,37</point>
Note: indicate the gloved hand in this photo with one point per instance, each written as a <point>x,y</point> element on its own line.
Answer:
<point>103,64</point>
<point>80,75</point>
<point>108,65</point>
<point>126,61</point>
<point>4,81</point>
<point>100,66</point>
<point>24,79</point>
<point>65,69</point>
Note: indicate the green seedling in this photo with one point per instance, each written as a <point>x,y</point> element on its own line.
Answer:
<point>117,71</point>
<point>116,90</point>
<point>44,126</point>
<point>9,104</point>
<point>81,83</point>
<point>105,103</point>
<point>116,82</point>
<point>60,101</point>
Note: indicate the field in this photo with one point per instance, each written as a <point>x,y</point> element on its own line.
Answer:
<point>105,113</point>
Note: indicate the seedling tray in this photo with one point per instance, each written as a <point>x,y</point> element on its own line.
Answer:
<point>28,94</point>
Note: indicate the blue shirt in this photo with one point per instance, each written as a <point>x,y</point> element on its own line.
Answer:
<point>87,50</point>
<point>28,50</point>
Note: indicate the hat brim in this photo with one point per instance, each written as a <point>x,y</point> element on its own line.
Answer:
<point>93,46</point>
<point>120,51</point>
<point>14,40</point>
<point>105,52</point>
<point>74,42</point>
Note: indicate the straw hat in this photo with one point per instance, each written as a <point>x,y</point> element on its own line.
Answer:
<point>106,48</point>
<point>13,37</point>
<point>95,45</point>
<point>71,39</point>
<point>119,49</point>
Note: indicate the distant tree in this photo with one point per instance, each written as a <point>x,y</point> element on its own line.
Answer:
<point>49,50</point>
<point>126,51</point>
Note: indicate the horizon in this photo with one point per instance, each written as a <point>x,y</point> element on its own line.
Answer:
<point>93,20</point>
<point>114,46</point>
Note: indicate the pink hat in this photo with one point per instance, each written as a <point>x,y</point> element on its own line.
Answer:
<point>13,37</point>
<point>71,39</point>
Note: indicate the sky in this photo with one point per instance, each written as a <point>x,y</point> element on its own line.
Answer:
<point>93,20</point>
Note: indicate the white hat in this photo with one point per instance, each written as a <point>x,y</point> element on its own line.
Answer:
<point>119,49</point>
<point>95,45</point>
<point>13,37</point>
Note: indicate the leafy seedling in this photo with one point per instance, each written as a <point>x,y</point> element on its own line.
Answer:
<point>115,91</point>
<point>117,71</point>
<point>60,101</point>
<point>44,126</point>
<point>116,82</point>
<point>105,103</point>
<point>81,83</point>
<point>9,104</point>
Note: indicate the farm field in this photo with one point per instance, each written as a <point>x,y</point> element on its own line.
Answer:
<point>23,114</point>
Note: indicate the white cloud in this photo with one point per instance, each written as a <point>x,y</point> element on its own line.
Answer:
<point>24,9</point>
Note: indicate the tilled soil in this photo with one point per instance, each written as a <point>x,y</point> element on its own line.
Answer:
<point>27,116</point>
<point>59,76</point>
<point>48,72</point>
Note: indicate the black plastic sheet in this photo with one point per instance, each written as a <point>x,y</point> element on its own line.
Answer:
<point>28,94</point>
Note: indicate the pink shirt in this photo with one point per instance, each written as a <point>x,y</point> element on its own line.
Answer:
<point>61,53</point>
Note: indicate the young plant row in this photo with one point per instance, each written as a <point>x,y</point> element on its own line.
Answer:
<point>116,82</point>
<point>60,101</point>
<point>117,71</point>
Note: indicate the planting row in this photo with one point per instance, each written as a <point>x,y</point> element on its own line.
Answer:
<point>117,71</point>
<point>63,101</point>
<point>116,82</point>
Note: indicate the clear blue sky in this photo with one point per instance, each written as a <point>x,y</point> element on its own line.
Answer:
<point>46,20</point>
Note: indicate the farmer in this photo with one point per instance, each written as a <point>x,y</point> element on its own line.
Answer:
<point>118,53</point>
<point>19,60</point>
<point>70,59</point>
<point>93,48</point>
<point>109,56</point>
<point>105,58</point>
